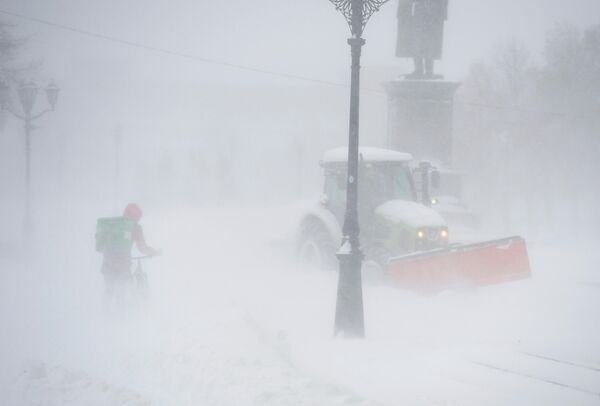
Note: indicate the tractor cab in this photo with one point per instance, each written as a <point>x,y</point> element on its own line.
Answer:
<point>384,175</point>
<point>392,220</point>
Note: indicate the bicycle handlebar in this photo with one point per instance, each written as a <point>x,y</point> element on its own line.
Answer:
<point>142,257</point>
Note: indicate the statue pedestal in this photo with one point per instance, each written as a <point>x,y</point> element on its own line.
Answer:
<point>420,118</point>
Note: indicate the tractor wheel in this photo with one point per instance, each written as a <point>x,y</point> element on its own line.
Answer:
<point>375,265</point>
<point>316,247</point>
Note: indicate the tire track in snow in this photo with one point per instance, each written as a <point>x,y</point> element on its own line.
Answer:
<point>590,368</point>
<point>536,378</point>
<point>234,361</point>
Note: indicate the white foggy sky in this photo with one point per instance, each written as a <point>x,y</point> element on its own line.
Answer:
<point>298,37</point>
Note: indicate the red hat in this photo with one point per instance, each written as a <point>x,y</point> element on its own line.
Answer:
<point>133,211</point>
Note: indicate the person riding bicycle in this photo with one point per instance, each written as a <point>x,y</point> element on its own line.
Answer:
<point>116,265</point>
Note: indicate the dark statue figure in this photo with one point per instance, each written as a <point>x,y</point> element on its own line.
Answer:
<point>421,33</point>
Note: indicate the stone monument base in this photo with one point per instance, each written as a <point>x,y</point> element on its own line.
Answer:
<point>420,118</point>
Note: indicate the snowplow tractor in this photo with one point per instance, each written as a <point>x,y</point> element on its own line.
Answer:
<point>409,241</point>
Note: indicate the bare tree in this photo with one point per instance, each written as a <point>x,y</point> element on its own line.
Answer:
<point>9,47</point>
<point>513,64</point>
<point>12,69</point>
<point>571,86</point>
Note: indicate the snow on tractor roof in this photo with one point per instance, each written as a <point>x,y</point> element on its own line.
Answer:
<point>367,154</point>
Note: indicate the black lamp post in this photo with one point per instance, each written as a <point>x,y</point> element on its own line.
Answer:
<point>4,92</point>
<point>349,316</point>
<point>27,94</point>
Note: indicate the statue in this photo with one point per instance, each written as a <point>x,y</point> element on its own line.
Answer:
<point>421,33</point>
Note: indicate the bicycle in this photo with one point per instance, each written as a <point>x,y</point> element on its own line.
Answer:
<point>130,289</point>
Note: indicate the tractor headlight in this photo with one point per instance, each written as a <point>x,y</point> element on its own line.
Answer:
<point>444,233</point>
<point>420,234</point>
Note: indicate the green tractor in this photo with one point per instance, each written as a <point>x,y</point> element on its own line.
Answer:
<point>393,221</point>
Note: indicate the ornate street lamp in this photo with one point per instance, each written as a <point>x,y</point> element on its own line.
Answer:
<point>27,93</point>
<point>349,315</point>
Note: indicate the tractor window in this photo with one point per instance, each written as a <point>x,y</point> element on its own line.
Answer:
<point>335,189</point>
<point>387,182</point>
<point>377,184</point>
<point>401,183</point>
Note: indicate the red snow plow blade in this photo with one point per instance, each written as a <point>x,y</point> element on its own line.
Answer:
<point>479,264</point>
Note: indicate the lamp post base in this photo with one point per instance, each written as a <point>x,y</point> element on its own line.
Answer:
<point>349,317</point>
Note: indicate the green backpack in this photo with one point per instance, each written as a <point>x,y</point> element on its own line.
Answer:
<point>114,235</point>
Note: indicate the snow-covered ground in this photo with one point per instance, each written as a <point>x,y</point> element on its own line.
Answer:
<point>232,320</point>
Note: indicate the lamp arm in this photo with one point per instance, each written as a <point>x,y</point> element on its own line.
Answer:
<point>14,113</point>
<point>40,114</point>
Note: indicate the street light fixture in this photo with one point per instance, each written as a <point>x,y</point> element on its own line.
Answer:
<point>52,94</point>
<point>27,93</point>
<point>349,314</point>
